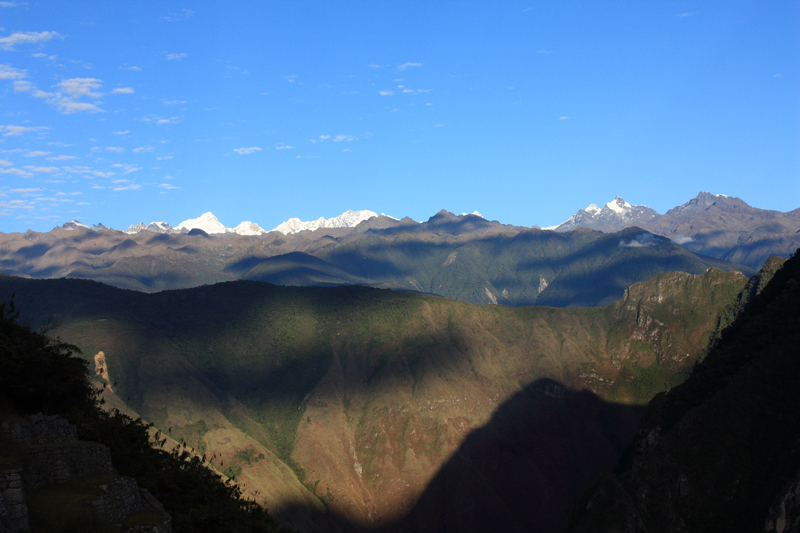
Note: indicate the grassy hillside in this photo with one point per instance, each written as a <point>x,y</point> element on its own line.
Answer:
<point>344,402</point>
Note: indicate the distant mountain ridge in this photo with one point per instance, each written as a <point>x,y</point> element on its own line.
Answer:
<point>717,225</point>
<point>465,258</point>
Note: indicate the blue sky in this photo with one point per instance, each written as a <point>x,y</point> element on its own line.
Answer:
<point>132,112</point>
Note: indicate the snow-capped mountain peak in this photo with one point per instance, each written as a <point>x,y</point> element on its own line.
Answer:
<point>619,206</point>
<point>249,228</point>
<point>348,219</point>
<point>74,224</point>
<point>206,222</point>
<point>154,227</point>
<point>615,215</point>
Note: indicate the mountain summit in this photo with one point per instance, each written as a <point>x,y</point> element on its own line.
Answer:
<point>614,216</point>
<point>348,219</point>
<point>206,222</point>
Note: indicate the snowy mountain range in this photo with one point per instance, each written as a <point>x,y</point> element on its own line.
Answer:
<point>614,216</point>
<point>210,224</point>
<point>348,219</point>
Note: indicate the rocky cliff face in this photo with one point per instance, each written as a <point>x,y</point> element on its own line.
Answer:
<point>719,452</point>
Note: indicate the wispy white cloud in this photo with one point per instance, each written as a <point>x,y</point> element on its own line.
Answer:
<point>17,171</point>
<point>130,67</point>
<point>386,93</point>
<point>284,147</point>
<point>14,131</point>
<point>7,72</point>
<point>167,186</point>
<point>142,149</point>
<point>67,99</point>
<point>176,17</point>
<point>162,158</point>
<point>12,4</point>
<point>244,151</point>
<point>160,121</point>
<point>62,158</point>
<point>123,90</point>
<point>5,163</point>
<point>344,138</point>
<point>173,102</point>
<point>544,52</point>
<point>45,170</point>
<point>56,199</point>
<point>42,55</point>
<point>174,57</point>
<point>117,149</point>
<point>126,168</point>
<point>28,37</point>
<point>127,187</point>
<point>563,118</point>
<point>406,65</point>
<point>77,87</point>
<point>70,106</point>
<point>778,76</point>
<point>684,14</point>
<point>17,204</point>
<point>78,170</point>
<point>121,132</point>
<point>35,153</point>
<point>642,240</point>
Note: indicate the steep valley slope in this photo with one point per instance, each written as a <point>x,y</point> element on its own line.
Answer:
<point>353,408</point>
<point>720,451</point>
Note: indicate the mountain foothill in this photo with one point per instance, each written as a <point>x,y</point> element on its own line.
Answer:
<point>354,378</point>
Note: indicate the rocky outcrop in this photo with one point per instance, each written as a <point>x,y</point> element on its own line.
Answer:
<point>52,455</point>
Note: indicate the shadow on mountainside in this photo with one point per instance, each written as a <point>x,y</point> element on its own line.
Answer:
<point>525,469</point>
